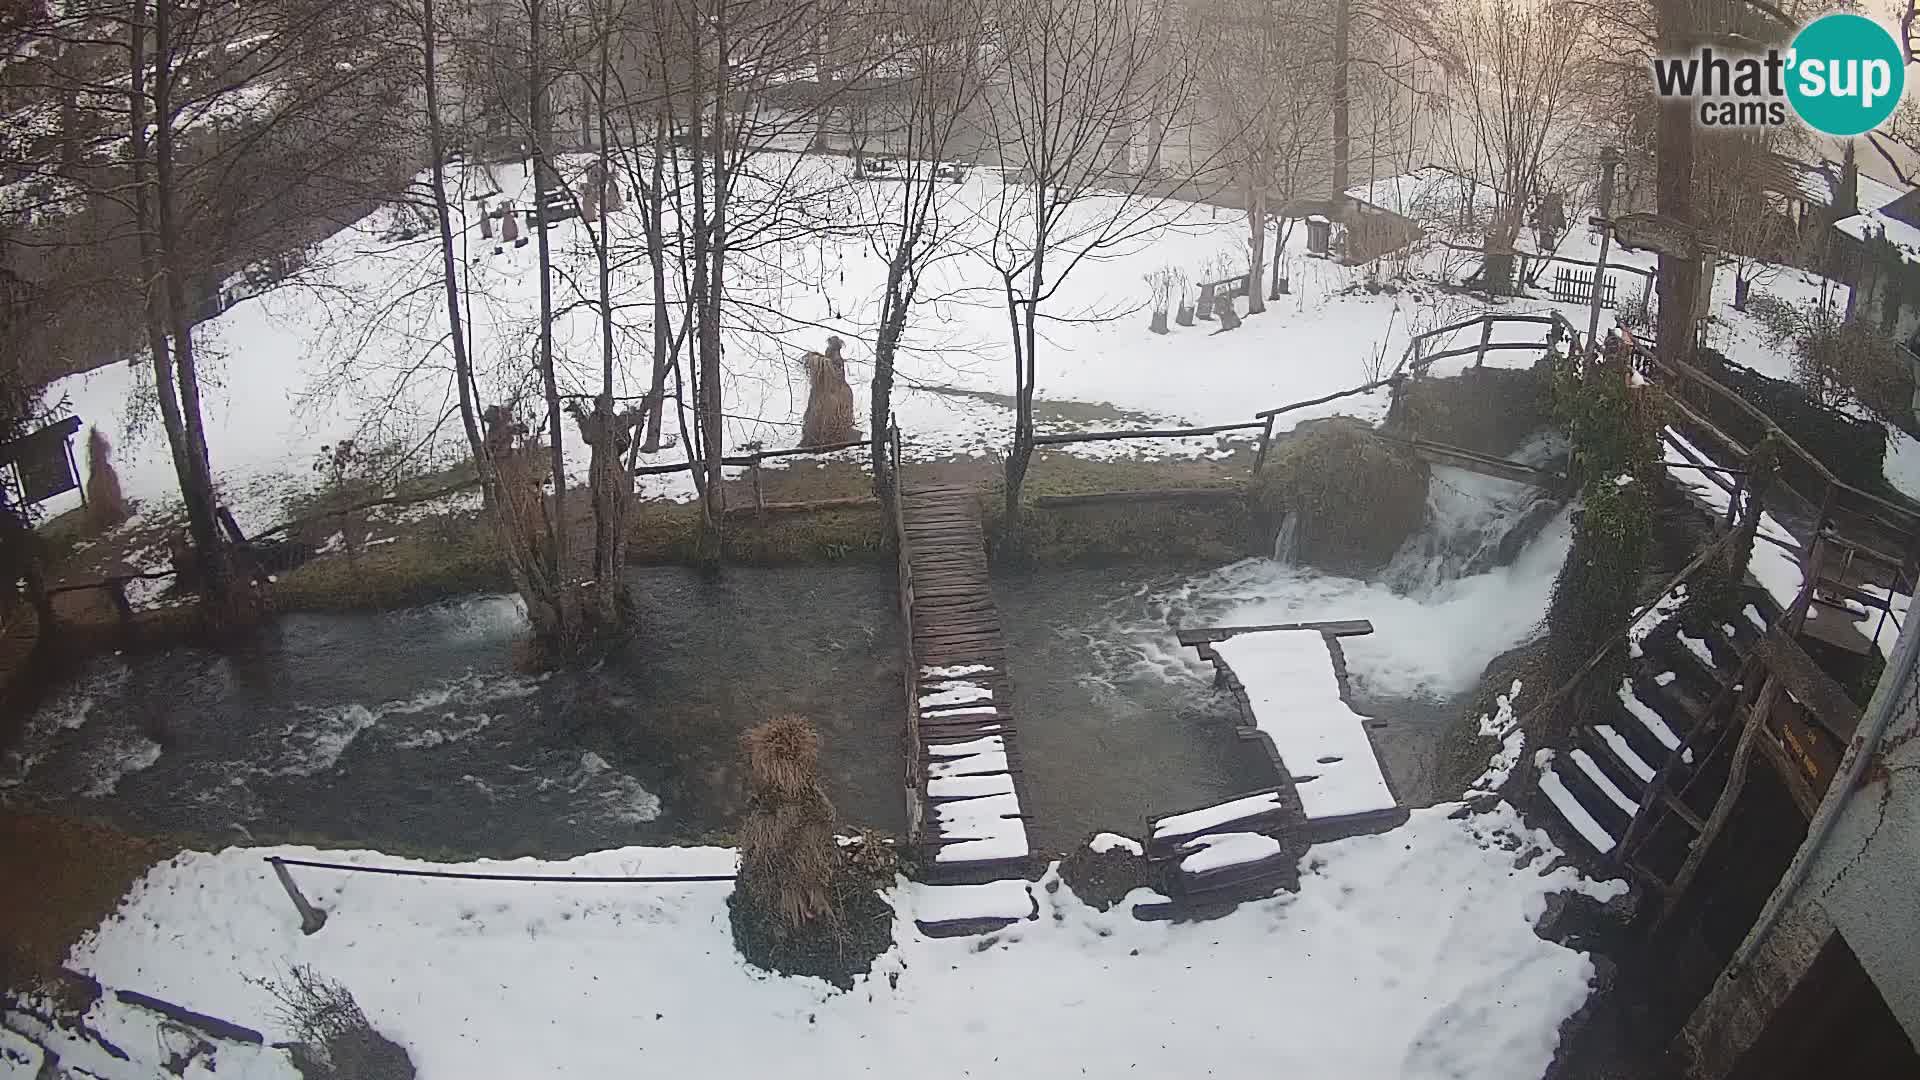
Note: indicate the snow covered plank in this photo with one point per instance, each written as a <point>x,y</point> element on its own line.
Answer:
<point>1008,899</point>
<point>1294,698</point>
<point>1247,808</point>
<point>1605,783</point>
<point>1617,746</point>
<point>1649,719</point>
<point>1573,813</point>
<point>968,806</point>
<point>1218,851</point>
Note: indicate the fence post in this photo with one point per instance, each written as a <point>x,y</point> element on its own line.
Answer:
<point>1486,337</point>
<point>759,496</point>
<point>1266,439</point>
<point>117,590</point>
<point>311,918</point>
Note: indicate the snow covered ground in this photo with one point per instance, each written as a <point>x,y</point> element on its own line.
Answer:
<point>357,349</point>
<point>1406,955</point>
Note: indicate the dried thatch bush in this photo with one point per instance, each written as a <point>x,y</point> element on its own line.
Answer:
<point>787,854</point>
<point>106,505</point>
<point>1357,498</point>
<point>799,907</point>
<point>828,418</point>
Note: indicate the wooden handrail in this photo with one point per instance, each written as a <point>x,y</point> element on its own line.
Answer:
<point>1164,433</point>
<point>1760,415</point>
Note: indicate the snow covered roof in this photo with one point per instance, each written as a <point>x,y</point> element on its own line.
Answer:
<point>1430,195</point>
<point>1904,236</point>
<point>1817,182</point>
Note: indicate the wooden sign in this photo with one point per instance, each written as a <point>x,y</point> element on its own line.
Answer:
<point>1659,234</point>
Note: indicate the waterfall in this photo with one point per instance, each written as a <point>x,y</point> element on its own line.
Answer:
<point>1474,524</point>
<point>1286,542</point>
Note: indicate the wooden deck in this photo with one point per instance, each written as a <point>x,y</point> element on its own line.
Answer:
<point>964,783</point>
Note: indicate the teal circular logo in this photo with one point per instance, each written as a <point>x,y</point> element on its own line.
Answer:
<point>1846,74</point>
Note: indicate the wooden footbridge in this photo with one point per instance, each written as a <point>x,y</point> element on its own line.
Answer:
<point>963,784</point>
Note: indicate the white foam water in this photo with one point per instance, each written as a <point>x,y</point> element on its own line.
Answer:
<point>1435,627</point>
<point>69,711</point>
<point>119,756</point>
<point>434,717</point>
<point>621,796</point>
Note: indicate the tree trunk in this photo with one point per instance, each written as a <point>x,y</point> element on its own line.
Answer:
<point>655,205</point>
<point>1741,285</point>
<point>1342,99</point>
<point>151,292</point>
<point>1679,278</point>
<point>521,546</point>
<point>1024,316</point>
<point>611,486</point>
<point>893,322</point>
<point>1256,246</point>
<point>537,122</point>
<point>230,604</point>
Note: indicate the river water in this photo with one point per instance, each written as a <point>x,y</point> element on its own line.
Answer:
<point>414,731</point>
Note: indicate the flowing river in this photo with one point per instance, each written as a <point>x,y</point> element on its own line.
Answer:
<point>414,731</point>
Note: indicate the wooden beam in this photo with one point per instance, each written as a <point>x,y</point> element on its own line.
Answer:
<point>1163,495</point>
<point>1810,686</point>
<point>1473,461</point>
<point>1206,635</point>
<point>1069,437</point>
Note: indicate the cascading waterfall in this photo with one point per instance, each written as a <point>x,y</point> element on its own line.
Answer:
<point>1474,524</point>
<point>1286,542</point>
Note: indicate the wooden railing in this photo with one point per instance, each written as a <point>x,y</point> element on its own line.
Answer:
<point>1830,507</point>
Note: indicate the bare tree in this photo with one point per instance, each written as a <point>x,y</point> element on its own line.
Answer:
<point>1511,66</point>
<point>945,49</point>
<point>1080,76</point>
<point>1269,100</point>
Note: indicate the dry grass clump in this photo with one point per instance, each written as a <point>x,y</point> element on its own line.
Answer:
<point>787,854</point>
<point>106,504</point>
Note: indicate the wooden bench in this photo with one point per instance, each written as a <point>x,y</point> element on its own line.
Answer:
<point>1212,291</point>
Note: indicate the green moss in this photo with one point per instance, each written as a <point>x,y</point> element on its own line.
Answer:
<point>1614,429</point>
<point>1357,497</point>
<point>1491,410</point>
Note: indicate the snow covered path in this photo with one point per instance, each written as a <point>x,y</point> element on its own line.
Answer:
<point>1406,955</point>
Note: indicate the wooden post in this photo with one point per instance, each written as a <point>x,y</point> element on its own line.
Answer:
<point>311,918</point>
<point>1486,337</point>
<point>759,496</point>
<point>1266,439</point>
<point>117,591</point>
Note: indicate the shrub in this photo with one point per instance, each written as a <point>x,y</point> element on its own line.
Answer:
<point>1840,361</point>
<point>333,1039</point>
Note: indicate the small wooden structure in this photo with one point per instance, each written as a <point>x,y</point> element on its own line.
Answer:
<point>1576,287</point>
<point>1213,292</point>
<point>41,463</point>
<point>1289,680</point>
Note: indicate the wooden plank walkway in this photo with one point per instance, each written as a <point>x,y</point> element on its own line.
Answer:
<point>964,798</point>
